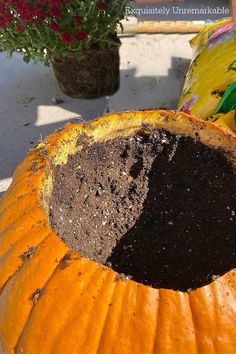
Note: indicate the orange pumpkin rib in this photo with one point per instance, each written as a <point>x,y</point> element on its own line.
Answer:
<point>2,347</point>
<point>23,205</point>
<point>131,322</point>
<point>195,325</point>
<point>88,324</point>
<point>17,298</point>
<point>12,202</point>
<point>214,313</point>
<point>111,328</point>
<point>6,220</point>
<point>25,168</point>
<point>175,328</point>
<point>25,165</point>
<point>14,231</point>
<point>19,188</point>
<point>12,260</point>
<point>74,312</point>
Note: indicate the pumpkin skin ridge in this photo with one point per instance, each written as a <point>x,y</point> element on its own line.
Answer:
<point>7,207</point>
<point>155,341</point>
<point>194,325</point>
<point>63,250</point>
<point>4,258</point>
<point>107,320</point>
<point>108,273</point>
<point>71,262</point>
<point>17,177</point>
<point>5,243</point>
<point>19,187</point>
<point>211,324</point>
<point>140,290</point>
<point>23,205</point>
<point>16,190</point>
<point>156,323</point>
<point>225,134</point>
<point>29,176</point>
<point>34,205</point>
<point>6,224</point>
<point>164,324</point>
<point>3,287</point>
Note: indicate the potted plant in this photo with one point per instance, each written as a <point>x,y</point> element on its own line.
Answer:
<point>78,38</point>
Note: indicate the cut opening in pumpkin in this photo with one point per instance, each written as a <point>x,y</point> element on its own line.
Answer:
<point>158,208</point>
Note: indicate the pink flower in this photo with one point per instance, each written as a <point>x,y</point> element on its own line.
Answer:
<point>20,28</point>
<point>66,38</point>
<point>2,22</point>
<point>27,12</point>
<point>80,36</point>
<point>54,27</point>
<point>55,3</point>
<point>6,19</point>
<point>55,12</point>
<point>102,6</point>
<point>78,19</point>
<point>40,15</point>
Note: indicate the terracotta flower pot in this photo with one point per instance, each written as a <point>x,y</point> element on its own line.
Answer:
<point>92,75</point>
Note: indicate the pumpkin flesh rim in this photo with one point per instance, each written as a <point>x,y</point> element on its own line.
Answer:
<point>100,132</point>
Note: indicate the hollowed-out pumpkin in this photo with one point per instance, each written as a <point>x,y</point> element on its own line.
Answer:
<point>52,300</point>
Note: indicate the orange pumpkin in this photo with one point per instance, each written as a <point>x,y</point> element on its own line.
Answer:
<point>55,301</point>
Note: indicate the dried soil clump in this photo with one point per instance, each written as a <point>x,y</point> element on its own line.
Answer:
<point>94,74</point>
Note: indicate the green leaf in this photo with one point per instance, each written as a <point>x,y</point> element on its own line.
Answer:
<point>231,66</point>
<point>9,54</point>
<point>26,59</point>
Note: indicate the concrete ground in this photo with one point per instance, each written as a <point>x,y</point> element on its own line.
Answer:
<point>152,75</point>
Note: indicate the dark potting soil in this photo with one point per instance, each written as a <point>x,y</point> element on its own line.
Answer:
<point>159,209</point>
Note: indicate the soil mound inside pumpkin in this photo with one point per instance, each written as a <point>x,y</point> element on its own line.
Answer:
<point>159,209</point>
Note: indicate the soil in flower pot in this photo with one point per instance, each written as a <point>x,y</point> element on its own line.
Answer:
<point>94,74</point>
<point>158,209</point>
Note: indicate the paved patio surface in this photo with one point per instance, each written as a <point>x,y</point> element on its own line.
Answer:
<point>152,75</point>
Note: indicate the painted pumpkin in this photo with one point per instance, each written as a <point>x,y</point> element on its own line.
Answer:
<point>53,300</point>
